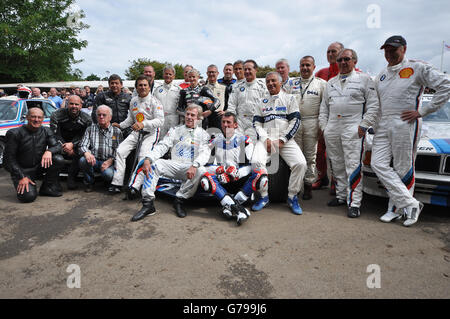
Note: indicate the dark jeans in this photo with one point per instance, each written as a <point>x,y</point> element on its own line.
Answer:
<point>50,179</point>
<point>89,170</point>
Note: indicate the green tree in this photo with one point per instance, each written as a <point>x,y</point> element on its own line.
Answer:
<point>137,68</point>
<point>38,39</point>
<point>92,77</point>
<point>263,70</point>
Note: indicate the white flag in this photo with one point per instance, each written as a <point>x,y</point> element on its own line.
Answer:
<point>446,46</point>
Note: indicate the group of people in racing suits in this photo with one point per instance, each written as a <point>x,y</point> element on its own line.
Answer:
<point>279,118</point>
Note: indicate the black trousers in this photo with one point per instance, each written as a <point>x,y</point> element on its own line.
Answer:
<point>50,179</point>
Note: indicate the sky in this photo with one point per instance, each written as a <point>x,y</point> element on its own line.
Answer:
<point>204,32</point>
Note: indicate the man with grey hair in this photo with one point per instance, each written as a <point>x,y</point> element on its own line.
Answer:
<point>309,92</point>
<point>282,67</point>
<point>219,91</point>
<point>36,93</point>
<point>98,147</point>
<point>188,145</point>
<point>238,69</point>
<point>349,107</point>
<point>277,120</point>
<point>400,86</point>
<point>168,94</point>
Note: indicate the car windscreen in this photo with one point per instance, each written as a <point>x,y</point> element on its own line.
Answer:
<point>8,110</point>
<point>441,115</point>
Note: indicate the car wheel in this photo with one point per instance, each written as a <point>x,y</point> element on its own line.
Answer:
<point>278,183</point>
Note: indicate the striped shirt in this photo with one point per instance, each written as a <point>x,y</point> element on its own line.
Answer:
<point>102,143</point>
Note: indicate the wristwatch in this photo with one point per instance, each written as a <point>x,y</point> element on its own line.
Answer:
<point>196,165</point>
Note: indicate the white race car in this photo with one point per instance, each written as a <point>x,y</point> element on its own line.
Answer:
<point>432,161</point>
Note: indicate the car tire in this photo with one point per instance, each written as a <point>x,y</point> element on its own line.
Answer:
<point>278,183</point>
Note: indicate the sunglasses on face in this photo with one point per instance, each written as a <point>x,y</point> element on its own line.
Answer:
<point>346,59</point>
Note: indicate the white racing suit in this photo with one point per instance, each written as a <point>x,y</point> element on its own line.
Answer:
<point>348,103</point>
<point>309,93</point>
<point>400,88</point>
<point>187,147</point>
<point>168,95</point>
<point>244,100</point>
<point>278,118</point>
<point>149,111</point>
<point>232,163</point>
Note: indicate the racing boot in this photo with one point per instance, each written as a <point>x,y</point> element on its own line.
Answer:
<point>294,205</point>
<point>307,192</point>
<point>260,203</point>
<point>179,210</point>
<point>412,214</point>
<point>336,202</point>
<point>353,212</point>
<point>392,214</point>
<point>240,212</point>
<point>48,189</point>
<point>131,193</point>
<point>148,208</point>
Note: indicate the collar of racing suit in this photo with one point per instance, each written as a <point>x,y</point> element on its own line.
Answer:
<point>397,67</point>
<point>303,80</point>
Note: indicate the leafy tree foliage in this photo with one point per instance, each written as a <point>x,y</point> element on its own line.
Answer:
<point>263,70</point>
<point>38,39</point>
<point>92,77</point>
<point>137,68</point>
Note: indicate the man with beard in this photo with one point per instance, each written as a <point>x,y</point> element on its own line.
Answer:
<point>69,125</point>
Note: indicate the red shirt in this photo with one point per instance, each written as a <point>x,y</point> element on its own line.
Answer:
<point>328,73</point>
<point>185,85</point>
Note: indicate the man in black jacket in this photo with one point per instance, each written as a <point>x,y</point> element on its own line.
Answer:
<point>118,101</point>
<point>69,125</point>
<point>27,157</point>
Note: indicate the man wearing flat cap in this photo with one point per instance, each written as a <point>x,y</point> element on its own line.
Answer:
<point>400,86</point>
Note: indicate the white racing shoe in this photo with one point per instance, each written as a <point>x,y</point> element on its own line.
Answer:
<point>226,211</point>
<point>412,214</point>
<point>390,216</point>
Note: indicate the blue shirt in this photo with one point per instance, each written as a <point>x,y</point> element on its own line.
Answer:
<point>57,100</point>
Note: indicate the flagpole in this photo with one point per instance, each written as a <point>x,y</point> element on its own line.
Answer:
<point>442,55</point>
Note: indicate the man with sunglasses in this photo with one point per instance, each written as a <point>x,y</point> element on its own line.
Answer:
<point>400,86</point>
<point>349,107</point>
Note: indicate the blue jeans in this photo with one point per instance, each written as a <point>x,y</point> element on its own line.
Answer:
<point>89,170</point>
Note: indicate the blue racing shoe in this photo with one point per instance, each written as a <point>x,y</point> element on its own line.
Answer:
<point>294,205</point>
<point>260,204</point>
